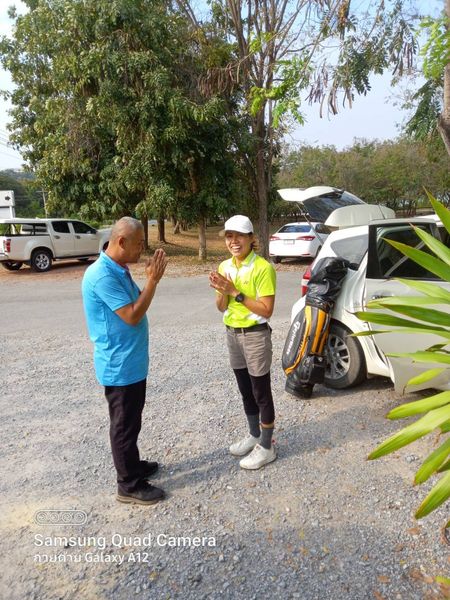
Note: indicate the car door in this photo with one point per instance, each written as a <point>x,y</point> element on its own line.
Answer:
<point>86,239</point>
<point>62,239</point>
<point>384,264</point>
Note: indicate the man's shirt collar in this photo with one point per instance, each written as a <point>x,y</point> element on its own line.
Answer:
<point>112,264</point>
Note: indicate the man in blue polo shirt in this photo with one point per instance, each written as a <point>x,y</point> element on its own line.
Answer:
<point>115,310</point>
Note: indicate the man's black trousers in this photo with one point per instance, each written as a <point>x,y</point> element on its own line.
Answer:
<point>125,410</point>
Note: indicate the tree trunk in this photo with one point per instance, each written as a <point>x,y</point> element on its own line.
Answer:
<point>144,221</point>
<point>444,120</point>
<point>261,186</point>
<point>176,228</point>
<point>161,230</point>
<point>202,238</point>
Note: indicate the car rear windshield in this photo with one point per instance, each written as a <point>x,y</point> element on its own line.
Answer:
<point>295,228</point>
<point>320,208</point>
<point>13,229</point>
<point>352,249</point>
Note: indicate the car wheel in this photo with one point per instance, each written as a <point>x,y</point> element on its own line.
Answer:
<point>276,259</point>
<point>41,260</point>
<point>10,265</point>
<point>346,365</point>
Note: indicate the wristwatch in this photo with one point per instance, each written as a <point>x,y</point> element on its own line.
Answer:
<point>240,297</point>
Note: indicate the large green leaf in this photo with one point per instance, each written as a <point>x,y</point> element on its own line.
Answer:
<point>445,427</point>
<point>432,264</point>
<point>435,245</point>
<point>439,494</point>
<point>423,356</point>
<point>406,301</point>
<point>442,212</point>
<point>412,432</point>
<point>415,330</point>
<point>433,462</point>
<point>429,289</point>
<point>437,317</point>
<point>437,348</point>
<point>420,406</point>
<point>444,467</point>
<point>391,320</point>
<point>425,376</point>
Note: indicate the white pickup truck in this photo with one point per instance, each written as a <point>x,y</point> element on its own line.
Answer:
<point>38,242</point>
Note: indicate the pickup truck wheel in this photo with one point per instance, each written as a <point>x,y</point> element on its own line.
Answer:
<point>10,265</point>
<point>346,365</point>
<point>41,260</point>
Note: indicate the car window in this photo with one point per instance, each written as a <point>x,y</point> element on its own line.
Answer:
<point>445,236</point>
<point>392,262</point>
<point>80,227</point>
<point>9,229</point>
<point>320,208</point>
<point>33,229</point>
<point>321,228</point>
<point>352,249</point>
<point>294,229</point>
<point>61,226</point>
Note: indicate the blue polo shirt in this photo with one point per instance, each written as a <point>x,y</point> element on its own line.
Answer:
<point>120,350</point>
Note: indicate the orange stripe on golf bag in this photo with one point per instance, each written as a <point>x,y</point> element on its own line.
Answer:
<point>314,335</point>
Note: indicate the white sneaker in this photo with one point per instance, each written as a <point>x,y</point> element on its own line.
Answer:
<point>258,457</point>
<point>244,446</point>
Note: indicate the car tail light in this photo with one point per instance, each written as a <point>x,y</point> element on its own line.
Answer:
<point>305,279</point>
<point>306,238</point>
<point>7,245</point>
<point>273,238</point>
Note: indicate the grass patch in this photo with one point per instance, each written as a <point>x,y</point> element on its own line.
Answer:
<point>186,243</point>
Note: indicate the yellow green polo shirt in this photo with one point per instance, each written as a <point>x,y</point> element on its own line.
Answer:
<point>255,278</point>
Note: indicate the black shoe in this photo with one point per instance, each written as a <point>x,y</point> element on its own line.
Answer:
<point>144,494</point>
<point>148,468</point>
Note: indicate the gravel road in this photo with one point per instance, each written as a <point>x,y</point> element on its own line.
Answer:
<point>319,523</point>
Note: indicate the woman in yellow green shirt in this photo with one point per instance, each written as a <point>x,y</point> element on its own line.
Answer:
<point>246,285</point>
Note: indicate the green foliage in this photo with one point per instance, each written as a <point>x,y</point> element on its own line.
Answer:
<point>427,102</point>
<point>436,50</point>
<point>435,409</point>
<point>107,107</point>
<point>28,199</point>
<point>428,107</point>
<point>391,173</point>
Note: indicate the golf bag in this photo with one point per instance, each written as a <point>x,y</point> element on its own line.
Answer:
<point>303,360</point>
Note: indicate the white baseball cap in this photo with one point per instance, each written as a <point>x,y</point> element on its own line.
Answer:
<point>238,223</point>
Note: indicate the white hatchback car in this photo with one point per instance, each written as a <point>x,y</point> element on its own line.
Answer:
<point>300,240</point>
<point>374,266</point>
